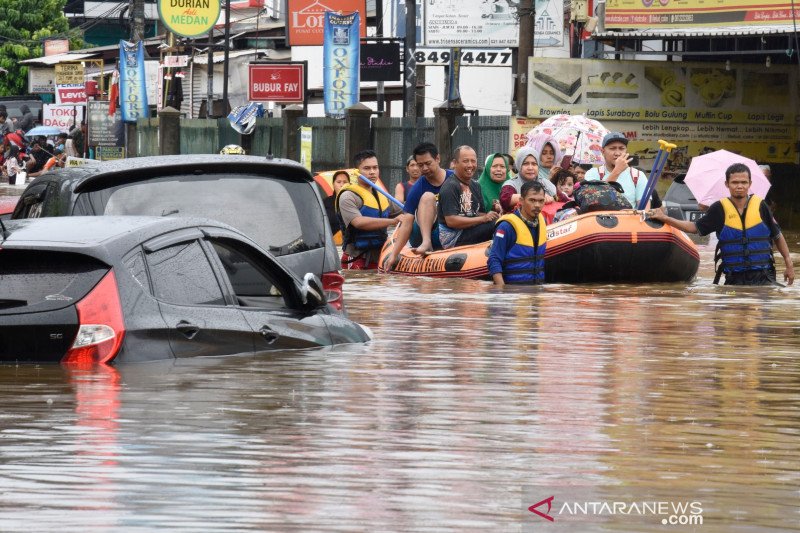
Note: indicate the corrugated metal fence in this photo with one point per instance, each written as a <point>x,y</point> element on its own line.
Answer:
<point>392,138</point>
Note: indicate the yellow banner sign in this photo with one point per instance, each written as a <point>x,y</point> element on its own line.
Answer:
<point>69,74</point>
<point>648,14</point>
<point>189,18</point>
<point>663,91</point>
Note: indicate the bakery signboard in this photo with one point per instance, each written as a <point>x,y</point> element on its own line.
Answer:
<point>488,24</point>
<point>662,91</point>
<point>648,14</point>
<point>703,103</point>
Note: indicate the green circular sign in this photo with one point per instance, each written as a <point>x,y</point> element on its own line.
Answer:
<point>189,18</point>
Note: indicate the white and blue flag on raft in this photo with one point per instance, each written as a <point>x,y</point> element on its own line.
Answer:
<point>341,62</point>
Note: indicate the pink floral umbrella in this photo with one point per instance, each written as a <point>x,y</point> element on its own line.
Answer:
<point>576,135</point>
<point>706,176</point>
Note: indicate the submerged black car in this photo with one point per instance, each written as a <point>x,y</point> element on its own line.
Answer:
<point>122,289</point>
<point>272,201</point>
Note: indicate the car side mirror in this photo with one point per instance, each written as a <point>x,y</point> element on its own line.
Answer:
<point>311,292</point>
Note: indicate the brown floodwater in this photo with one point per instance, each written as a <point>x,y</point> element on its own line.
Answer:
<point>470,405</point>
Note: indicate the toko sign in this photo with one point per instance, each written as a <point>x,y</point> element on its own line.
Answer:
<point>277,82</point>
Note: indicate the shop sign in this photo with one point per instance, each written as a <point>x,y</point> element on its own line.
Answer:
<point>277,82</point>
<point>662,14</point>
<point>306,19</point>
<point>189,18</point>
<point>380,62</point>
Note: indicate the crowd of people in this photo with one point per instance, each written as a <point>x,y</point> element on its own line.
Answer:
<point>28,157</point>
<point>448,207</point>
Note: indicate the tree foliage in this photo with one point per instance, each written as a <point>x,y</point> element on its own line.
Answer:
<point>24,25</point>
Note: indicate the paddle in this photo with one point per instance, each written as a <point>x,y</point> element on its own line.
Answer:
<point>658,166</point>
<point>380,189</point>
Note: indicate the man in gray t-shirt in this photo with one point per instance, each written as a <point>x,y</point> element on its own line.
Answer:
<point>366,215</point>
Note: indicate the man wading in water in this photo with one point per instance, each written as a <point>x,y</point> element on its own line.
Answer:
<point>745,228</point>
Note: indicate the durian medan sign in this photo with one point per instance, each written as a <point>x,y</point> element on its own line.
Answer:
<point>189,18</point>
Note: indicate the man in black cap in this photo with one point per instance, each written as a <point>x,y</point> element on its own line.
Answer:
<point>615,153</point>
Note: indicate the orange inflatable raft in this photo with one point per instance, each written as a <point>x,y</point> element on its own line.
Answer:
<point>599,247</point>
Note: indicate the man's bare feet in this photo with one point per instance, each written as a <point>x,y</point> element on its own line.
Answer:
<point>423,249</point>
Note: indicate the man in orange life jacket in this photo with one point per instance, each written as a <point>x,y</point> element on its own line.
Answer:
<point>520,239</point>
<point>365,216</point>
<point>745,229</point>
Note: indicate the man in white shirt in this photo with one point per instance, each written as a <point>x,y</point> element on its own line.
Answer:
<point>615,153</point>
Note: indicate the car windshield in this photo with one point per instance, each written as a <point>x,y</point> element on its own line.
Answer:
<point>283,217</point>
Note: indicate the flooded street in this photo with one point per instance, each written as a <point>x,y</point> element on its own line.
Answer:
<point>471,405</point>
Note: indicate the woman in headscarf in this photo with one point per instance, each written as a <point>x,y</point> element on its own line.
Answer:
<point>528,165</point>
<point>495,174</point>
<point>548,154</point>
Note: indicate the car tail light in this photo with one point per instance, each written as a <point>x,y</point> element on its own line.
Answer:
<point>332,284</point>
<point>101,326</point>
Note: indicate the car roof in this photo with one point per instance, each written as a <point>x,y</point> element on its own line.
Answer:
<point>105,238</point>
<point>92,176</point>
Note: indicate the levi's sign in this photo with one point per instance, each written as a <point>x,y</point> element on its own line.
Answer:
<point>71,94</point>
<point>277,82</point>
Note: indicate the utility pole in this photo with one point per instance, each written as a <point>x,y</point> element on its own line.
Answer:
<point>225,60</point>
<point>210,72</point>
<point>137,14</point>
<point>527,15</point>
<point>410,75</point>
<point>379,33</point>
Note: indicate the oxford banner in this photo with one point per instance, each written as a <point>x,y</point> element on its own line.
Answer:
<point>340,62</point>
<point>132,86</point>
<point>745,108</point>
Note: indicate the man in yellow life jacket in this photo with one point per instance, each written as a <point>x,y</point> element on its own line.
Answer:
<point>745,228</point>
<point>365,216</point>
<point>520,240</point>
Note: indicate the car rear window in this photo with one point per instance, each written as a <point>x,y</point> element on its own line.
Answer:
<point>281,216</point>
<point>34,281</point>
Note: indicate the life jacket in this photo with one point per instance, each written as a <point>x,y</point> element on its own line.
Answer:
<point>525,260</point>
<point>374,206</point>
<point>744,242</point>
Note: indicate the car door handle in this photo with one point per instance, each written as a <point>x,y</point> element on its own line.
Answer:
<point>189,330</point>
<point>269,334</point>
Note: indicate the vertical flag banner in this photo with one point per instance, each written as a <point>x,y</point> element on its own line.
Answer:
<point>454,78</point>
<point>340,62</point>
<point>132,87</point>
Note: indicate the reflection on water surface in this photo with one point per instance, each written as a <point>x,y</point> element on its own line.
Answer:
<point>469,402</point>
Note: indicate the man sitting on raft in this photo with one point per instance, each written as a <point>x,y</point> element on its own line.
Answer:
<point>463,218</point>
<point>517,253</point>
<point>615,154</point>
<point>419,214</point>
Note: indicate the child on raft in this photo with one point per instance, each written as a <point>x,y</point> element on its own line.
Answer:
<point>564,180</point>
